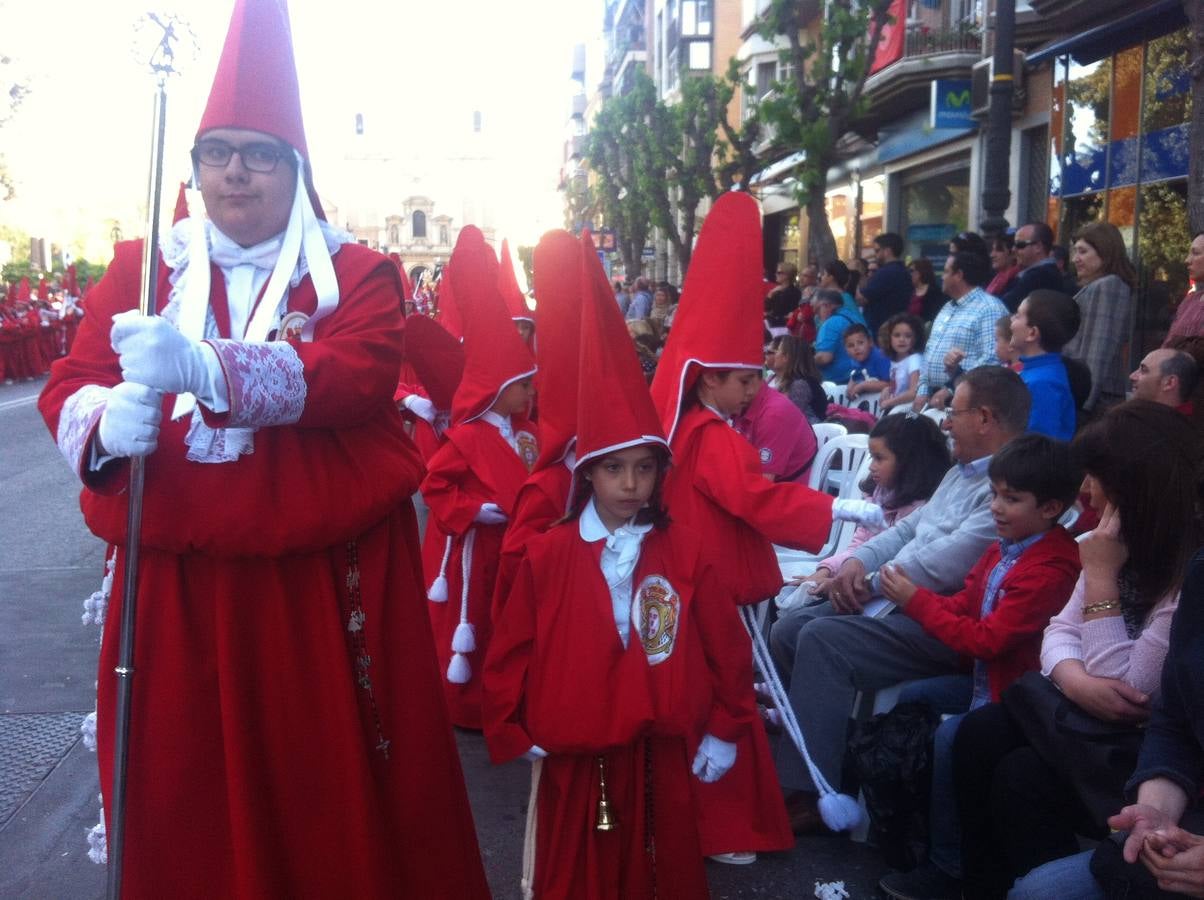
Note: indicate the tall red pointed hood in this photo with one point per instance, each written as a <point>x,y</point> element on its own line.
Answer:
<point>447,307</point>
<point>23,291</point>
<point>719,319</point>
<point>43,289</point>
<point>181,210</point>
<point>609,368</point>
<point>495,355</point>
<point>437,358</point>
<point>557,274</point>
<point>516,303</point>
<point>255,86</point>
<point>71,281</point>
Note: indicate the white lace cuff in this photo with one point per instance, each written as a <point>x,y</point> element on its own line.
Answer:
<point>265,382</point>
<point>77,421</point>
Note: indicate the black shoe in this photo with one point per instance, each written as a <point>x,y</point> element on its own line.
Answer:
<point>925,883</point>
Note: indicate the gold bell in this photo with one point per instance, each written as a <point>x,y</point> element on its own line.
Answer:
<point>604,820</point>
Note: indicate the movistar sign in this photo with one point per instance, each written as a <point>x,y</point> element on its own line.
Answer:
<point>950,104</point>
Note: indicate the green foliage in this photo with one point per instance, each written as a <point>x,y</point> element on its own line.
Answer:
<point>655,162</point>
<point>821,97</point>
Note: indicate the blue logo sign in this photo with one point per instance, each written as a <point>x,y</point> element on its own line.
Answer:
<point>951,103</point>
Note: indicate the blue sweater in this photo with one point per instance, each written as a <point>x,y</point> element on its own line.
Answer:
<point>1052,411</point>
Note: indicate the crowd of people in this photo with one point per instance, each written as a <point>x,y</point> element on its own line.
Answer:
<point>37,326</point>
<point>607,479</point>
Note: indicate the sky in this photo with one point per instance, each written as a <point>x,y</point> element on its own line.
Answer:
<point>416,70</point>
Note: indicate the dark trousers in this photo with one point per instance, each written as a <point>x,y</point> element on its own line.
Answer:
<point>1016,813</point>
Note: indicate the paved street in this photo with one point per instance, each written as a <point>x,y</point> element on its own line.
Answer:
<point>48,564</point>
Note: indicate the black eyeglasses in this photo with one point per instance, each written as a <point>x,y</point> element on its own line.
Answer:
<point>1020,245</point>
<point>258,156</point>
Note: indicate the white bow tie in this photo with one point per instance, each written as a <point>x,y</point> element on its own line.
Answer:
<point>625,541</point>
<point>229,255</point>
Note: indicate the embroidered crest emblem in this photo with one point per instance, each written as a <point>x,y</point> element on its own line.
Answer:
<point>528,450</point>
<point>291,325</point>
<point>657,610</point>
<point>766,456</point>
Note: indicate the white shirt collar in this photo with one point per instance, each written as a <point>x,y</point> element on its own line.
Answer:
<point>500,422</point>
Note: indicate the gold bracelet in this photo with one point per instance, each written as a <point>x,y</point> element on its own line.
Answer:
<point>1103,606</point>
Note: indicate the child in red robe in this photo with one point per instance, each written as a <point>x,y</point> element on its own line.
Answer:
<point>472,481</point>
<point>613,666</point>
<point>709,372</point>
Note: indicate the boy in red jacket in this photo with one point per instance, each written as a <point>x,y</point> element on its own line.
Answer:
<point>997,620</point>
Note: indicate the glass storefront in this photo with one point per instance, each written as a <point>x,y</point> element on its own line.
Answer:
<point>1119,150</point>
<point>935,205</point>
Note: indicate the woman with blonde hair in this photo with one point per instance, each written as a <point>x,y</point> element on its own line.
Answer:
<point>1106,305</point>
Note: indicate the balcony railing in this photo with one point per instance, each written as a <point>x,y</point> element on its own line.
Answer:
<point>926,40</point>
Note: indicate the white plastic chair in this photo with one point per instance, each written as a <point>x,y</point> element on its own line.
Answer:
<point>799,562</point>
<point>853,448</point>
<point>937,415</point>
<point>824,432</point>
<point>874,400</point>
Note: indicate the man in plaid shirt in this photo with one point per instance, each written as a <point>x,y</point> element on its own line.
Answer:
<point>963,334</point>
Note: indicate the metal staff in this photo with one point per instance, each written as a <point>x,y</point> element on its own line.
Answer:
<point>161,66</point>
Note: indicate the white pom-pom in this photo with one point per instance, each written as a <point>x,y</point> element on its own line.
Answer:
<point>438,590</point>
<point>464,640</point>
<point>458,670</point>
<point>98,847</point>
<point>840,812</point>
<point>88,729</point>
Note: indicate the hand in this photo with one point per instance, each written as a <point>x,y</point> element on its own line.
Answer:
<point>713,759</point>
<point>1176,860</point>
<point>490,514</point>
<point>1109,699</point>
<point>1103,551</point>
<point>129,425</point>
<point>822,574</point>
<point>536,752</point>
<point>940,399</point>
<point>953,359</point>
<point>420,406</point>
<point>1139,820</point>
<point>802,595</point>
<point>860,511</point>
<point>153,353</point>
<point>848,590</point>
<point>918,404</point>
<point>896,585</point>
<point>888,392</point>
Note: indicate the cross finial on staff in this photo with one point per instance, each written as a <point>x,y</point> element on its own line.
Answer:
<point>161,40</point>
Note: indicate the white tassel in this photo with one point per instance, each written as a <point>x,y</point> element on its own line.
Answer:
<point>88,729</point>
<point>98,845</point>
<point>438,589</point>
<point>840,812</point>
<point>458,670</point>
<point>464,640</point>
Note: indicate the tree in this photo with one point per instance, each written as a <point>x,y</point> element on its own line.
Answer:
<point>612,154</point>
<point>1195,175</point>
<point>673,156</point>
<point>821,99</point>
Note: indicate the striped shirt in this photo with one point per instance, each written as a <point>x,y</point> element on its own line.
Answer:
<point>968,324</point>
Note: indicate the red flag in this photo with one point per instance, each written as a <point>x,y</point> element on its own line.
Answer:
<point>890,44</point>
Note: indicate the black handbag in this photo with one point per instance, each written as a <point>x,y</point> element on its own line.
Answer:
<point>1094,757</point>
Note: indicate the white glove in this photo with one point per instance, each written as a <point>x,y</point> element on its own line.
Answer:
<point>536,752</point>
<point>153,353</point>
<point>490,514</point>
<point>129,426</point>
<point>860,511</point>
<point>800,596</point>
<point>713,759</point>
<point>420,407</point>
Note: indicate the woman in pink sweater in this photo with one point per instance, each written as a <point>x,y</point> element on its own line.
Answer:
<point>1104,652</point>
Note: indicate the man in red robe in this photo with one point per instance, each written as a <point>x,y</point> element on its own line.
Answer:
<point>288,734</point>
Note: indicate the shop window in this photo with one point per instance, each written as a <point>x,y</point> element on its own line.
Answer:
<point>1164,235</point>
<point>1085,141</point>
<point>1167,108</point>
<point>1077,212</point>
<point>935,207</point>
<point>699,56</point>
<point>1126,108</point>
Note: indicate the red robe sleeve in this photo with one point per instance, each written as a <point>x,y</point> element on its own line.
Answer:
<point>785,513</point>
<point>1031,592</point>
<point>451,490</point>
<point>728,654</point>
<point>506,665</point>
